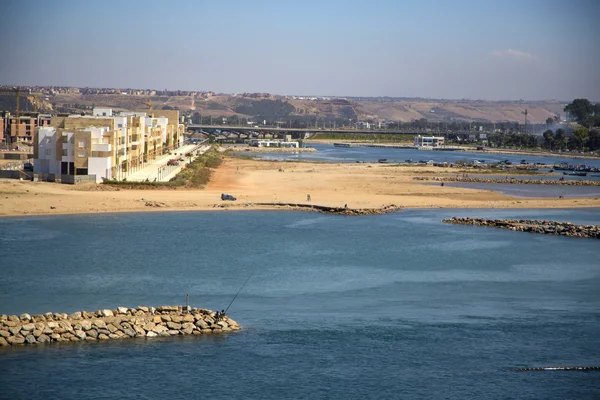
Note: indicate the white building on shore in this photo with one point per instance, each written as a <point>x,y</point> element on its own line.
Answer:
<point>428,141</point>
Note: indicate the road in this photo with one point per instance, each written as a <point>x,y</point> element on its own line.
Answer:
<point>159,171</point>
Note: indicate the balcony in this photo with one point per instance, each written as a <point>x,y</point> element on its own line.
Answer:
<point>101,147</point>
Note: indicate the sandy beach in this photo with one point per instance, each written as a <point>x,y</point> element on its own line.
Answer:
<point>252,181</point>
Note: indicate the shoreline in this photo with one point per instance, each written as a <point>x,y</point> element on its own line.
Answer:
<point>467,150</point>
<point>266,185</point>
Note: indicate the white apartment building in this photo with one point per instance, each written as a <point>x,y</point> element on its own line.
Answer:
<point>428,141</point>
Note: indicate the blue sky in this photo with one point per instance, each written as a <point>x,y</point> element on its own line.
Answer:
<point>529,49</point>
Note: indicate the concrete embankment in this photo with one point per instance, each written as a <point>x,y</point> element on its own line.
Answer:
<point>334,210</point>
<point>511,181</point>
<point>533,226</point>
<point>122,323</point>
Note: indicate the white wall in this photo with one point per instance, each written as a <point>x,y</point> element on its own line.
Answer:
<point>101,112</point>
<point>100,167</point>
<point>46,162</point>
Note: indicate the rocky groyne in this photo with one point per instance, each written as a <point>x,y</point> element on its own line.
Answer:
<point>514,181</point>
<point>122,323</point>
<point>334,210</point>
<point>533,226</point>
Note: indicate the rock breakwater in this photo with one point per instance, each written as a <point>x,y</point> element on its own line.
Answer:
<point>122,323</point>
<point>533,226</point>
<point>515,181</point>
<point>334,210</point>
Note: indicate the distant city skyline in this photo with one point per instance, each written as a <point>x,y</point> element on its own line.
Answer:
<point>463,49</point>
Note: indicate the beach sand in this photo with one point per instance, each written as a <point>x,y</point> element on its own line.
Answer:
<point>253,181</point>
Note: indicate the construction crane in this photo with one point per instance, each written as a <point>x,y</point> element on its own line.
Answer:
<point>148,104</point>
<point>17,111</point>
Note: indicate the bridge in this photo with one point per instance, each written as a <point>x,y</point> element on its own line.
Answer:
<point>249,132</point>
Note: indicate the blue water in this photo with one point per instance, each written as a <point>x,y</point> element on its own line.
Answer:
<point>531,190</point>
<point>391,306</point>
<point>330,153</point>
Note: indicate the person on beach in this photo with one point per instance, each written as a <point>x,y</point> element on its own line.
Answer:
<point>308,197</point>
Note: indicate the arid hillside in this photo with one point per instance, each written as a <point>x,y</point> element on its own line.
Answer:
<point>281,108</point>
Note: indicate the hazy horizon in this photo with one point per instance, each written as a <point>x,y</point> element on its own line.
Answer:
<point>533,51</point>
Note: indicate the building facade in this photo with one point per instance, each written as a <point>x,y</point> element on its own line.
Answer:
<point>428,141</point>
<point>104,144</point>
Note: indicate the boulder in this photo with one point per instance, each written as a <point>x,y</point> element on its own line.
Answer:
<point>75,315</point>
<point>52,324</point>
<point>202,324</point>
<point>3,342</point>
<point>149,326</point>
<point>14,329</point>
<point>3,317</point>
<point>176,318</point>
<point>129,332</point>
<point>159,329</point>
<point>112,328</point>
<point>187,329</point>
<point>14,318</point>
<point>86,325</point>
<point>143,309</point>
<point>55,336</point>
<point>173,325</point>
<point>43,338</point>
<point>37,333</point>
<point>90,339</point>
<point>30,339</point>
<point>80,334</point>
<point>11,323</point>
<point>173,332</point>
<point>103,332</point>
<point>102,336</point>
<point>98,323</point>
<point>107,313</point>
<point>165,318</point>
<point>17,339</point>
<point>114,336</point>
<point>188,318</point>
<point>167,308</point>
<point>151,334</point>
<point>4,333</point>
<point>122,310</point>
<point>28,327</point>
<point>157,319</point>
<point>25,317</point>
<point>139,330</point>
<point>47,331</point>
<point>92,333</point>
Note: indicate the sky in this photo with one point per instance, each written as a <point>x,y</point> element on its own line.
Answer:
<point>451,49</point>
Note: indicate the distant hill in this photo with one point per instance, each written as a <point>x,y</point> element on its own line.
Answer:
<point>279,107</point>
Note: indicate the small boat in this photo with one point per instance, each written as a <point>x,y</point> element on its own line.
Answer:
<point>382,160</point>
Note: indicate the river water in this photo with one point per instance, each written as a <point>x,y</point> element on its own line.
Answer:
<point>330,153</point>
<point>390,306</point>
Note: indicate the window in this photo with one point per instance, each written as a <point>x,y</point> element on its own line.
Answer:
<point>82,154</point>
<point>48,152</point>
<point>81,143</point>
<point>65,152</point>
<point>119,125</point>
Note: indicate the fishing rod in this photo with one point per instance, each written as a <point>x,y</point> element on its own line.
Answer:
<point>238,292</point>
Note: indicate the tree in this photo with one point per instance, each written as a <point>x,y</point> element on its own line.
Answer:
<point>581,110</point>
<point>549,139</point>
<point>581,137</point>
<point>549,121</point>
<point>593,140</point>
<point>560,139</point>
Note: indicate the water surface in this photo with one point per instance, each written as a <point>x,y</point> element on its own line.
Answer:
<point>391,306</point>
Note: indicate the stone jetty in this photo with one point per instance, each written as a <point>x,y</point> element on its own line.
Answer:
<point>390,208</point>
<point>533,226</point>
<point>122,323</point>
<point>513,181</point>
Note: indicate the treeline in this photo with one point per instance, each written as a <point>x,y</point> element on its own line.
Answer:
<point>582,139</point>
